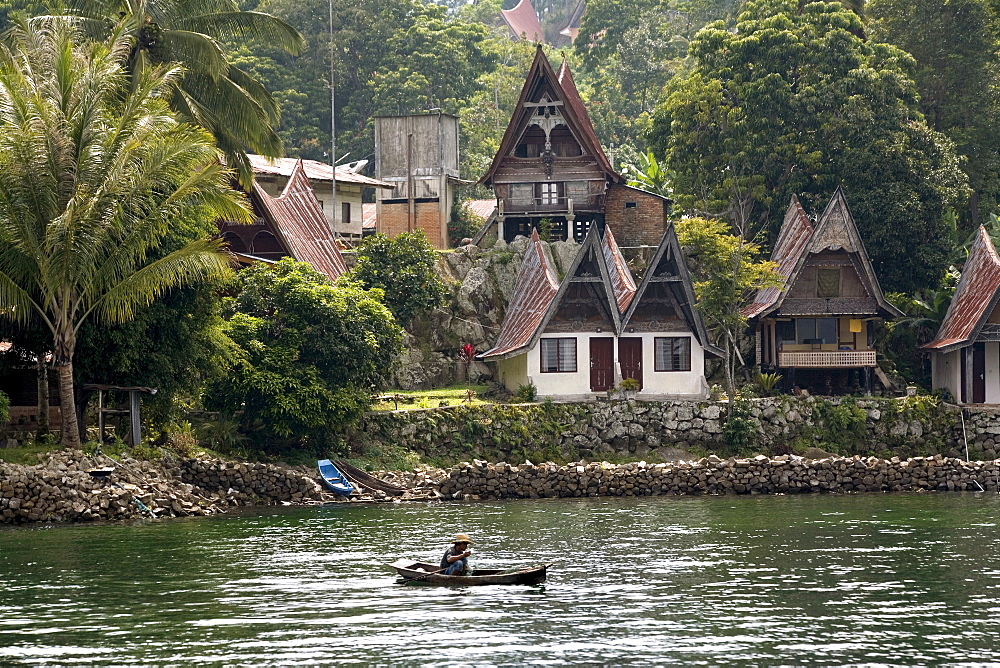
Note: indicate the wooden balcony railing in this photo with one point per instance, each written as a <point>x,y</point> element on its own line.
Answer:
<point>826,359</point>
<point>549,204</point>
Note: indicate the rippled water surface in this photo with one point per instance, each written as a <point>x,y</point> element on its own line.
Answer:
<point>886,579</point>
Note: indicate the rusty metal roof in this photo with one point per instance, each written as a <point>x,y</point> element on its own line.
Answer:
<point>522,20</point>
<point>297,219</point>
<point>835,230</point>
<point>796,230</point>
<point>315,170</point>
<point>535,288</point>
<point>622,284</point>
<point>976,291</point>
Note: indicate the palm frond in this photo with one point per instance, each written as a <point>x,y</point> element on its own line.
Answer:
<point>245,26</point>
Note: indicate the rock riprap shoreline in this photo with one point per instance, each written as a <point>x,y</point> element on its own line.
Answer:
<point>62,490</point>
<point>784,474</point>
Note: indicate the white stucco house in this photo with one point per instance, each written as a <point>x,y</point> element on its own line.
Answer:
<point>578,338</point>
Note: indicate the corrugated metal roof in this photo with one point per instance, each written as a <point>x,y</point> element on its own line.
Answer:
<point>975,292</point>
<point>796,230</point>
<point>534,290</point>
<point>368,216</point>
<point>591,141</point>
<point>622,283</point>
<point>314,169</point>
<point>481,207</point>
<point>522,20</point>
<point>297,217</point>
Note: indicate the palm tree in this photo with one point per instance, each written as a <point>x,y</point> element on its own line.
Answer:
<point>213,93</point>
<point>649,174</point>
<point>94,166</point>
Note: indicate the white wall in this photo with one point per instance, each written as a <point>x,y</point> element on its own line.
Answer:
<point>992,372</point>
<point>946,372</point>
<point>519,370</point>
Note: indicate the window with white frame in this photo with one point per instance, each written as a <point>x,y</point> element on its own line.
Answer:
<point>672,353</point>
<point>558,355</point>
<point>549,193</point>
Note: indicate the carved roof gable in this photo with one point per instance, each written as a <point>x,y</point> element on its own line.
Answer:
<point>667,267</point>
<point>556,94</point>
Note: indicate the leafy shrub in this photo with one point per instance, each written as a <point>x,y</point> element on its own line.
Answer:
<point>464,223</point>
<point>526,393</point>
<point>740,428</point>
<point>630,384</point>
<point>767,382</point>
<point>4,406</point>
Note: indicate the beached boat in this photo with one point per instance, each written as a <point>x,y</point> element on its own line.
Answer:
<point>419,572</point>
<point>334,479</point>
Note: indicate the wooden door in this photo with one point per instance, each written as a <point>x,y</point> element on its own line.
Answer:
<point>602,364</point>
<point>630,357</point>
<point>979,373</point>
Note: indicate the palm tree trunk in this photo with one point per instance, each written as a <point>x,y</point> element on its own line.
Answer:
<point>43,395</point>
<point>67,406</point>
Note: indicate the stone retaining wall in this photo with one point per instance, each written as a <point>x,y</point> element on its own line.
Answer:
<point>61,490</point>
<point>663,431</point>
<point>784,474</point>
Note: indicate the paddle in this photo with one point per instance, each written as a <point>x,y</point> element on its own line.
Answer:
<point>440,570</point>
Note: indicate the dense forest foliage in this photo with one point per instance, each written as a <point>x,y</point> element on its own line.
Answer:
<point>729,106</point>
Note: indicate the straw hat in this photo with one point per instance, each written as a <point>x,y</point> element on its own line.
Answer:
<point>462,538</point>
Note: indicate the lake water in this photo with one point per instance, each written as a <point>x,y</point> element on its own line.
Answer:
<point>823,580</point>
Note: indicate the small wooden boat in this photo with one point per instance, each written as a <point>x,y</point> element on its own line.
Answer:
<point>334,479</point>
<point>361,479</point>
<point>419,572</point>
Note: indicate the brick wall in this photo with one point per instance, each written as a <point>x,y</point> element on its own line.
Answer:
<point>394,220</point>
<point>640,225</point>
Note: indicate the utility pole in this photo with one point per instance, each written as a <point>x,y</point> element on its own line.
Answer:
<point>333,127</point>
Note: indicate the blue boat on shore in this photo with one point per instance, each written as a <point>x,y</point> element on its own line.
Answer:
<point>335,481</point>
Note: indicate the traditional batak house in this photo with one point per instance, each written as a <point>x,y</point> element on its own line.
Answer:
<point>965,354</point>
<point>552,167</point>
<point>291,224</point>
<point>273,174</point>
<point>579,338</point>
<point>817,328</point>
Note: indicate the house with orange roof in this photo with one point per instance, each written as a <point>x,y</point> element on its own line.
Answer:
<point>292,224</point>
<point>965,353</point>
<point>551,167</point>
<point>577,338</point>
<point>273,175</point>
<point>817,328</point>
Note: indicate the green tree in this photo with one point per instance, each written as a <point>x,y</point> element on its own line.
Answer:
<point>403,267</point>
<point>310,353</point>
<point>93,169</point>
<point>391,57</point>
<point>795,102</point>
<point>727,271</point>
<point>213,92</point>
<point>954,43</point>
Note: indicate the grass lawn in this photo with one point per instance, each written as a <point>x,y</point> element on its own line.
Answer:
<point>446,396</point>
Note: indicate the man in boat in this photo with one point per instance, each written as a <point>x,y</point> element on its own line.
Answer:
<point>456,558</point>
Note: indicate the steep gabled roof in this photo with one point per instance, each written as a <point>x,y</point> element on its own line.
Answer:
<point>792,241</point>
<point>591,254</point>
<point>621,278</point>
<point>523,21</point>
<point>835,231</point>
<point>298,221</point>
<point>541,79</point>
<point>975,297</point>
<point>668,267</point>
<point>535,288</point>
